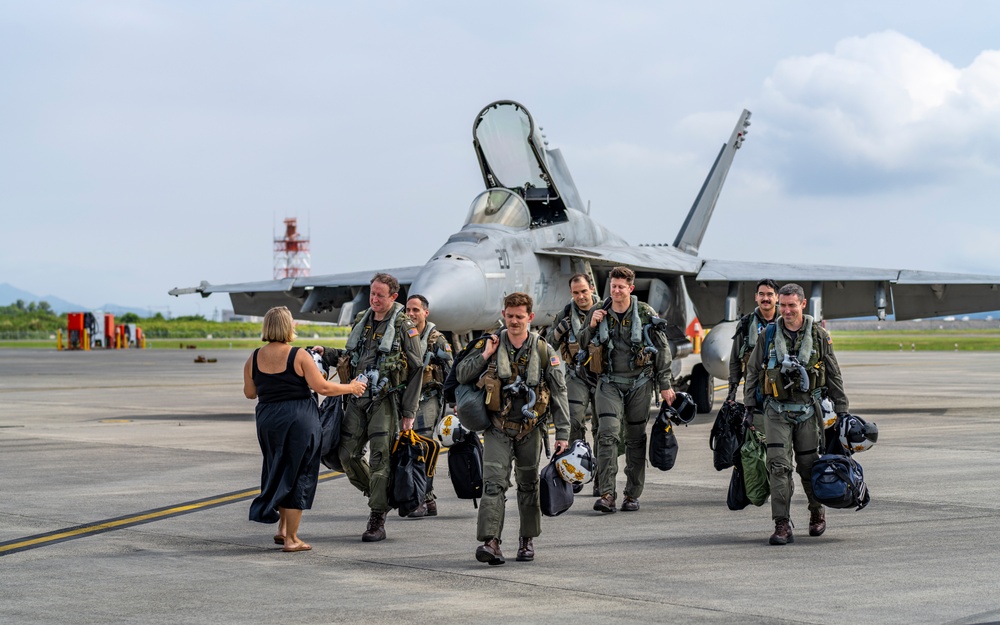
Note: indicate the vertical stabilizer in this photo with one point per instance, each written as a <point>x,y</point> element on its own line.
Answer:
<point>693,231</point>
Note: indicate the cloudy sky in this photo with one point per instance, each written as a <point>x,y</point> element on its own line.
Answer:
<point>149,145</point>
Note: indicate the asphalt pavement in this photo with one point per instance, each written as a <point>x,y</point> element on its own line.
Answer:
<point>127,477</point>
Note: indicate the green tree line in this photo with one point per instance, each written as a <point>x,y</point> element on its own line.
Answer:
<point>20,318</point>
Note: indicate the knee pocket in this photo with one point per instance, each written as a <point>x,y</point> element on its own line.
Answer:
<point>493,489</point>
<point>607,438</point>
<point>779,467</point>
<point>639,443</point>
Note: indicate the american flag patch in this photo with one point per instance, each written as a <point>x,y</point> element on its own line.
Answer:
<point>554,361</point>
<point>412,333</point>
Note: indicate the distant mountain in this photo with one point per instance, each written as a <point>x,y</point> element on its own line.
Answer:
<point>10,294</point>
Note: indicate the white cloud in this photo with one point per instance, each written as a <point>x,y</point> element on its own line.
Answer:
<point>880,112</point>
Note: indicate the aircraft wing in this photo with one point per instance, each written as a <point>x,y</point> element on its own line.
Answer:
<point>333,298</point>
<point>839,292</point>
<point>653,258</point>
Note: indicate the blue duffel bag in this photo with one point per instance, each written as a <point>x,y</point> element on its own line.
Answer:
<point>839,482</point>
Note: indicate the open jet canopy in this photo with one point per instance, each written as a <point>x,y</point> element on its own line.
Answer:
<point>512,155</point>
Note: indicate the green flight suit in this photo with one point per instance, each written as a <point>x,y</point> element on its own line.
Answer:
<point>579,392</point>
<point>623,397</point>
<point>501,450</point>
<point>437,361</point>
<point>375,421</point>
<point>794,425</point>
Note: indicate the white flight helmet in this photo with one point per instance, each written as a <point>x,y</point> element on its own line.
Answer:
<point>576,465</point>
<point>856,434</point>
<point>449,430</point>
<point>829,414</point>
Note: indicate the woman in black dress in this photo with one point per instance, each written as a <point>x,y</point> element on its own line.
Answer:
<point>279,376</point>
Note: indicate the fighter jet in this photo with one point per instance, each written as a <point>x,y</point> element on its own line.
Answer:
<point>530,231</point>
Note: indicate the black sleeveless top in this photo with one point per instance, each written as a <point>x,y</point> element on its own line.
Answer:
<point>272,387</point>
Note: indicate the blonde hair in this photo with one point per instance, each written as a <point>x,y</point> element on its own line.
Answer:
<point>278,326</point>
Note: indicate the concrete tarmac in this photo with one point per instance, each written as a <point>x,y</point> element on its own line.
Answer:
<point>89,437</point>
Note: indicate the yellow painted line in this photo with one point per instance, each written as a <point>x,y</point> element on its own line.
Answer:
<point>81,531</point>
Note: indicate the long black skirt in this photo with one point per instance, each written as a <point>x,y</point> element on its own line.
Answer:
<point>289,435</point>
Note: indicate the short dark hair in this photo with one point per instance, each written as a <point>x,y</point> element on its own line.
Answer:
<point>518,299</point>
<point>768,283</point>
<point>423,301</point>
<point>793,289</point>
<point>623,273</point>
<point>582,276</point>
<point>387,280</point>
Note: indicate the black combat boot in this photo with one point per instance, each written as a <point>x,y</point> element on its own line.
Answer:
<point>605,504</point>
<point>817,523</point>
<point>525,549</point>
<point>489,552</point>
<point>782,533</point>
<point>630,505</point>
<point>376,528</point>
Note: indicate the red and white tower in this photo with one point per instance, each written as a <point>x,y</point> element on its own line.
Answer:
<point>291,253</point>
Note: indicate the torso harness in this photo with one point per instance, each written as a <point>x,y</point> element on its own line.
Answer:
<point>433,371</point>
<point>755,326</point>
<point>389,371</point>
<point>641,323</point>
<point>504,380</point>
<point>793,382</point>
<point>570,341</point>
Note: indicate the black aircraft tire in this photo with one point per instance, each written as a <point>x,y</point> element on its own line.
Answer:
<point>701,389</point>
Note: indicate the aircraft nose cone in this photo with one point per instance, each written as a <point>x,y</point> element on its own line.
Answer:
<point>455,289</point>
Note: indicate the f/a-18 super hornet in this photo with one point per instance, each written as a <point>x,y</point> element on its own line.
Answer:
<point>530,231</point>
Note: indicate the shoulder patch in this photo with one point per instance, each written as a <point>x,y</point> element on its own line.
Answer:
<point>412,333</point>
<point>554,361</point>
<point>829,340</point>
<point>479,344</point>
<point>447,347</point>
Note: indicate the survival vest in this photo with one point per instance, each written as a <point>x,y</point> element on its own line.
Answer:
<point>501,373</point>
<point>749,328</point>
<point>566,331</point>
<point>391,361</point>
<point>639,336</point>
<point>787,376</point>
<point>433,369</point>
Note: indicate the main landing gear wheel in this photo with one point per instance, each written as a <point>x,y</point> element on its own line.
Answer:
<point>701,389</point>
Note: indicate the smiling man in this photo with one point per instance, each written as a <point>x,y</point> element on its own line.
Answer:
<point>750,327</point>
<point>789,370</point>
<point>629,373</point>
<point>384,345</point>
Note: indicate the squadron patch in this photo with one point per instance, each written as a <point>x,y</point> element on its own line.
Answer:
<point>480,343</point>
<point>554,361</point>
<point>412,333</point>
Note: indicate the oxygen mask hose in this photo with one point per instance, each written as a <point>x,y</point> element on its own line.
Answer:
<point>650,348</point>
<point>792,369</point>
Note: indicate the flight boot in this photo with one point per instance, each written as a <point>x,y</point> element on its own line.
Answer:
<point>605,504</point>
<point>525,549</point>
<point>426,509</point>
<point>817,523</point>
<point>489,552</point>
<point>376,528</point>
<point>782,533</point>
<point>630,505</point>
